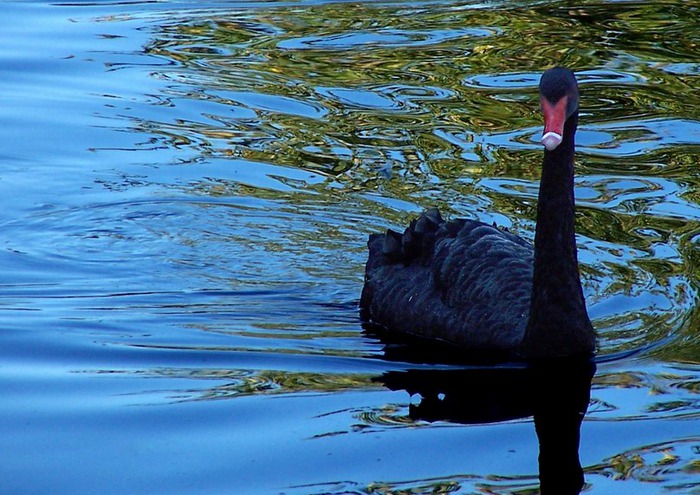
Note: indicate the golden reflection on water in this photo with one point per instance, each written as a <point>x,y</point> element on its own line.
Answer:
<point>379,109</point>
<point>351,120</point>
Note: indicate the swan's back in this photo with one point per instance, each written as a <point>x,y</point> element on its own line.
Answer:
<point>464,282</point>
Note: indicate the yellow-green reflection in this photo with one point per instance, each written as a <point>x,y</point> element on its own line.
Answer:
<point>242,383</point>
<point>671,466</point>
<point>367,115</point>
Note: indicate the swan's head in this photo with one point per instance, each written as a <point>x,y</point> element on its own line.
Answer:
<point>559,98</point>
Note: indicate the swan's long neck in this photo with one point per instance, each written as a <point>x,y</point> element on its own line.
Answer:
<point>558,324</point>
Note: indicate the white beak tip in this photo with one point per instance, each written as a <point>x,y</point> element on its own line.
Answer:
<point>551,140</point>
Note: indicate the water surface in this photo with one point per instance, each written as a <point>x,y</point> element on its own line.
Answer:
<point>185,195</point>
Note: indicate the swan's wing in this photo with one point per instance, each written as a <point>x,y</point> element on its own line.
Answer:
<point>484,275</point>
<point>461,281</point>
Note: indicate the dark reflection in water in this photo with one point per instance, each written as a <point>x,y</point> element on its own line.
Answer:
<point>556,392</point>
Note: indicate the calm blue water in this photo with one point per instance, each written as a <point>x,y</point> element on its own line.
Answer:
<point>185,194</point>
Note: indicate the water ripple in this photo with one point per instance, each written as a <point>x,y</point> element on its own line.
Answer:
<point>385,38</point>
<point>640,137</point>
<point>527,80</point>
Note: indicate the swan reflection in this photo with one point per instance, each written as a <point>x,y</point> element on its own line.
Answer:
<point>556,392</point>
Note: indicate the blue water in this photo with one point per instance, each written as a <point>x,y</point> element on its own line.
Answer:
<point>186,189</point>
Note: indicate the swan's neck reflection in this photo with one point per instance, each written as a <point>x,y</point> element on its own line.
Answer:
<point>555,392</point>
<point>562,392</point>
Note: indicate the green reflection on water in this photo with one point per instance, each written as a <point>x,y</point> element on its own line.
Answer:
<point>392,108</point>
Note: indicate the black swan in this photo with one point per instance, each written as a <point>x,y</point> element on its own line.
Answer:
<point>478,287</point>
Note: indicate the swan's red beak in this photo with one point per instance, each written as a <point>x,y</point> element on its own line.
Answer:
<point>554,118</point>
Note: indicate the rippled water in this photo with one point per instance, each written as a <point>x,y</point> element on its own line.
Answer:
<point>186,193</point>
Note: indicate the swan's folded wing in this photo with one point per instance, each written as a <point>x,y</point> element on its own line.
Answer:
<point>484,275</point>
<point>463,282</point>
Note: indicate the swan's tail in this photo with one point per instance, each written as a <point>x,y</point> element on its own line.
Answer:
<point>416,242</point>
